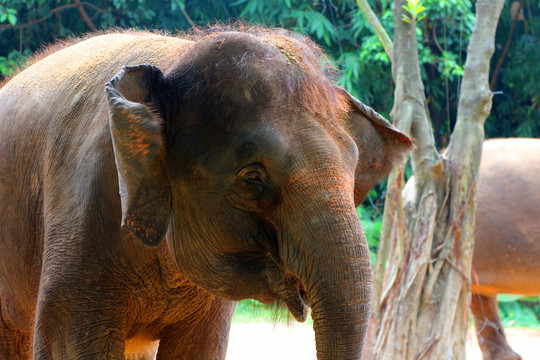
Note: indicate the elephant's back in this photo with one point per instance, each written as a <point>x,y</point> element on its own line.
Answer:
<point>90,61</point>
<point>507,248</point>
<point>73,78</point>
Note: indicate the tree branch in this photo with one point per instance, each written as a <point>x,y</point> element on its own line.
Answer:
<point>57,9</point>
<point>475,100</point>
<point>84,15</point>
<point>60,8</point>
<point>188,18</point>
<point>376,26</point>
<point>93,7</point>
<point>495,74</point>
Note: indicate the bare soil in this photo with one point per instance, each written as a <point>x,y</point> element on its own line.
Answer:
<point>263,341</point>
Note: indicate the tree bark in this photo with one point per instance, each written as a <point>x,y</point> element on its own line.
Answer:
<point>422,271</point>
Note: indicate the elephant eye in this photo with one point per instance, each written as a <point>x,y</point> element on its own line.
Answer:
<point>250,186</point>
<point>254,177</point>
<point>253,174</point>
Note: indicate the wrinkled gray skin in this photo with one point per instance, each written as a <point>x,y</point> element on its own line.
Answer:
<point>234,152</point>
<point>507,243</point>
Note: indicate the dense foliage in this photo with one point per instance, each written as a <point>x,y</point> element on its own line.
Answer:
<point>340,28</point>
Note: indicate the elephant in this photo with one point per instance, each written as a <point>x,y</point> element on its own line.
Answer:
<point>148,181</point>
<point>507,240</point>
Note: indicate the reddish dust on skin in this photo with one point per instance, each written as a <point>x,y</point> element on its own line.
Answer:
<point>138,138</point>
<point>288,48</point>
<point>137,228</point>
<point>310,88</point>
<point>357,196</point>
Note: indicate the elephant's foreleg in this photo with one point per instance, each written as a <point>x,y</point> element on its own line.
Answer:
<point>489,329</point>
<point>74,324</point>
<point>202,336</point>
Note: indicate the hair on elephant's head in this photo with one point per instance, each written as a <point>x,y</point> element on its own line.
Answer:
<point>253,162</point>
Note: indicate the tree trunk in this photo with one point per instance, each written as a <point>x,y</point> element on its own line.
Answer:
<point>422,272</point>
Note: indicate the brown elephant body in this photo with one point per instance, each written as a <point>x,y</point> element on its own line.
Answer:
<point>507,246</point>
<point>233,148</point>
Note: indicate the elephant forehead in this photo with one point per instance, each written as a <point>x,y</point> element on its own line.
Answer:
<point>244,70</point>
<point>235,51</point>
<point>233,63</point>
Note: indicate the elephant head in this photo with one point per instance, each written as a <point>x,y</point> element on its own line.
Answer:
<point>249,162</point>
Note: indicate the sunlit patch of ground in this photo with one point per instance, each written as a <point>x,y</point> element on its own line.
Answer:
<point>264,341</point>
<point>525,342</point>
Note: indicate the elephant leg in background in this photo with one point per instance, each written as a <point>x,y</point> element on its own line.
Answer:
<point>13,344</point>
<point>489,329</point>
<point>200,338</point>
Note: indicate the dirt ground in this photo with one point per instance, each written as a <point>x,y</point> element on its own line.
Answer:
<point>263,341</point>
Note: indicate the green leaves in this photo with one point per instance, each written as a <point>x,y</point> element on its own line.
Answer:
<point>251,8</point>
<point>316,24</point>
<point>14,60</point>
<point>8,14</point>
<point>414,8</point>
<point>372,230</point>
<point>519,311</point>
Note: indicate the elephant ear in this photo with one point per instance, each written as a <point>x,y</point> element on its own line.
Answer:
<point>380,146</point>
<point>138,150</point>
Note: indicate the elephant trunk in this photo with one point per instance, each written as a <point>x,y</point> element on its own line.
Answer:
<point>332,260</point>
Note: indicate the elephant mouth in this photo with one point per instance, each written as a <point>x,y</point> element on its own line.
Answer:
<point>288,288</point>
<point>284,285</point>
<point>296,301</point>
